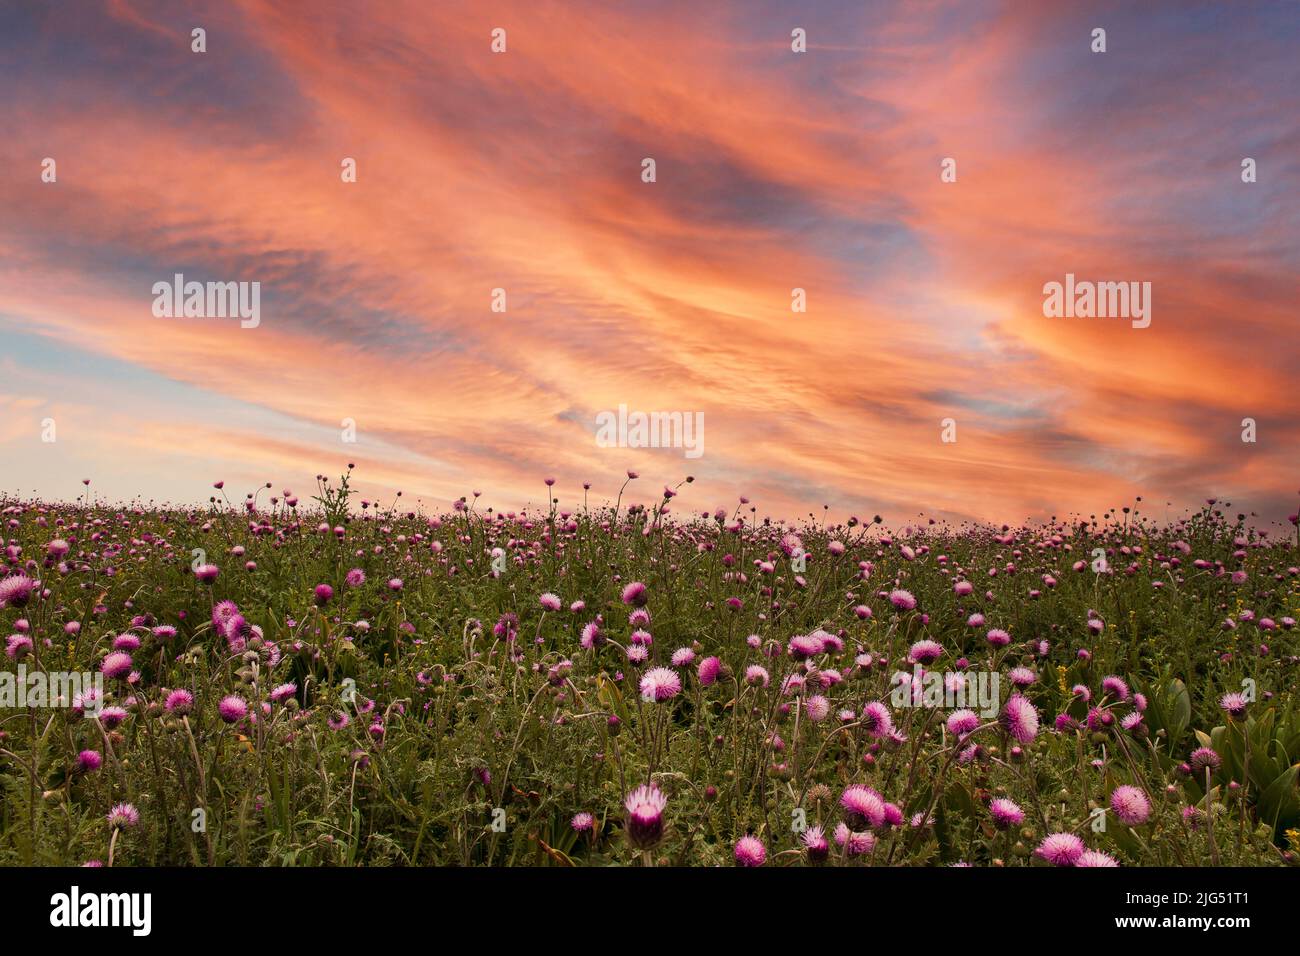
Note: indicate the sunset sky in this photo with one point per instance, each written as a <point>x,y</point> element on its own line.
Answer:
<point>775,170</point>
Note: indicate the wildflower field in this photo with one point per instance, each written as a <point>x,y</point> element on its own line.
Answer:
<point>335,682</point>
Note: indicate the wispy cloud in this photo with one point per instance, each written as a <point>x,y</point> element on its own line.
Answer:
<point>775,171</point>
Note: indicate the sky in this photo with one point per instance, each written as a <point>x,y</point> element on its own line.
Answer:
<point>774,170</point>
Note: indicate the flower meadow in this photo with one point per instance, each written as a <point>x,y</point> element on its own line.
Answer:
<point>336,682</point>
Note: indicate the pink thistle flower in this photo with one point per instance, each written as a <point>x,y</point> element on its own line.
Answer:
<point>591,636</point>
<point>1115,687</point>
<point>116,665</point>
<point>854,843</point>
<point>1006,814</point>
<point>925,652</point>
<point>1020,718</point>
<point>817,708</point>
<point>863,807</point>
<point>16,590</point>
<point>122,816</point>
<point>126,642</point>
<point>815,844</point>
<point>635,594</point>
<point>112,717</point>
<point>1095,858</point>
<point>804,646</point>
<point>1060,849</point>
<point>1205,758</point>
<point>962,722</point>
<point>1022,677</point>
<point>998,637</point>
<point>750,851</point>
<point>877,719</point>
<point>659,684</point>
<point>232,708</point>
<point>903,600</point>
<point>1233,704</point>
<point>645,823</point>
<point>1130,805</point>
<point>893,815</point>
<point>89,760</point>
<point>18,646</point>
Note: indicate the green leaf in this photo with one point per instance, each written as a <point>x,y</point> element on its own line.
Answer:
<point>1181,715</point>
<point>1279,804</point>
